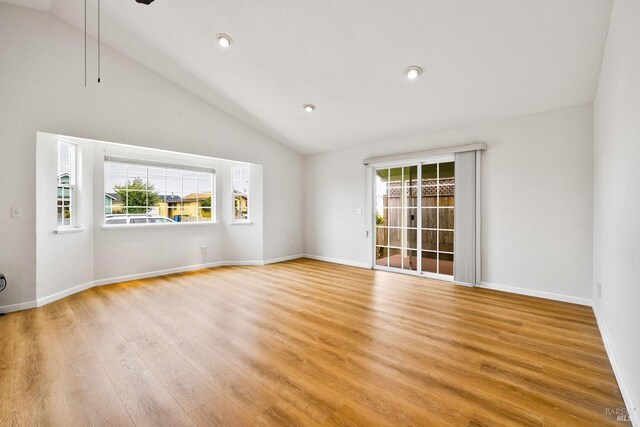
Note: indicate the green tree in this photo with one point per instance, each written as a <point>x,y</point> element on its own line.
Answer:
<point>206,203</point>
<point>135,193</point>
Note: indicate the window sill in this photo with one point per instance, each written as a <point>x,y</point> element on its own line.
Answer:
<point>171,225</point>
<point>240,222</point>
<point>69,230</point>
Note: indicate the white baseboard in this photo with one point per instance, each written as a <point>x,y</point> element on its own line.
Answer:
<point>100,282</point>
<point>282,259</point>
<point>256,262</point>
<point>617,371</point>
<point>18,307</point>
<point>65,293</point>
<point>338,261</point>
<point>539,294</point>
<point>111,280</point>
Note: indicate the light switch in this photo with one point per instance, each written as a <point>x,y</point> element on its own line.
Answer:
<point>16,212</point>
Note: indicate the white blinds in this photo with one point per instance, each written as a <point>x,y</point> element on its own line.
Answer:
<point>467,218</point>
<point>152,163</point>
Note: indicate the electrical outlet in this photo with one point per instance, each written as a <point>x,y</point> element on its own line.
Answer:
<point>359,211</point>
<point>203,249</point>
<point>599,289</point>
<point>291,242</point>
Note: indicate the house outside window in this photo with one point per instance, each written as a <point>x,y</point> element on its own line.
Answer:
<point>240,193</point>
<point>66,191</point>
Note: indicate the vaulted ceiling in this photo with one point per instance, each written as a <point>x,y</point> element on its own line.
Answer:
<point>483,60</point>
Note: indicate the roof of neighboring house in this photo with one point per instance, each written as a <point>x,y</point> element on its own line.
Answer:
<point>112,196</point>
<point>171,198</point>
<point>196,196</point>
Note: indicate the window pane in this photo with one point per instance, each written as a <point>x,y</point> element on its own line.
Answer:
<point>411,239</point>
<point>240,179</point>
<point>429,218</point>
<point>394,217</point>
<point>382,216</point>
<point>429,174</point>
<point>445,241</point>
<point>446,194</point>
<point>395,176</point>
<point>410,197</point>
<point>382,256</point>
<point>446,264</point>
<point>115,180</point>
<point>447,170</point>
<point>382,179</point>
<point>204,215</point>
<point>64,174</point>
<point>382,236</point>
<point>240,207</point>
<point>429,240</point>
<point>411,176</point>
<point>64,153</point>
<point>395,258</point>
<point>446,218</point>
<point>429,195</point>
<point>429,262</point>
<point>411,217</point>
<point>382,175</point>
<point>156,184</point>
<point>395,237</point>
<point>410,261</point>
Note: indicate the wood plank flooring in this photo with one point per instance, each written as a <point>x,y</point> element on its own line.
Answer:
<point>302,343</point>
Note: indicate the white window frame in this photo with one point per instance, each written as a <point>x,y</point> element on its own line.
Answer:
<point>246,220</point>
<point>148,163</point>
<point>72,186</point>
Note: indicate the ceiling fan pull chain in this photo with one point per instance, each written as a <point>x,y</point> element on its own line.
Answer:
<point>99,54</point>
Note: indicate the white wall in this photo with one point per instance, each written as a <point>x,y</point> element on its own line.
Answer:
<point>537,199</point>
<point>63,261</point>
<point>617,197</point>
<point>41,88</point>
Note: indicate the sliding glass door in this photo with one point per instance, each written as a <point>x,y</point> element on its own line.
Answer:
<point>414,211</point>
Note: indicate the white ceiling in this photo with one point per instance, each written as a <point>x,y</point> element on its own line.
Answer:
<point>483,60</point>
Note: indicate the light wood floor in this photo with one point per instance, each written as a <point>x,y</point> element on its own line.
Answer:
<point>302,343</point>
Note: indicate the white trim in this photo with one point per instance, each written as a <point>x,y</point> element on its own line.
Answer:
<point>157,273</point>
<point>240,222</point>
<point>617,369</point>
<point>338,261</point>
<point>535,293</point>
<point>255,262</point>
<point>426,153</point>
<point>58,295</point>
<point>65,293</point>
<point>282,259</point>
<point>69,230</point>
<point>18,307</point>
<point>154,225</point>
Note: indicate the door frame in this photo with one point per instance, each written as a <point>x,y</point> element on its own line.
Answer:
<point>371,209</point>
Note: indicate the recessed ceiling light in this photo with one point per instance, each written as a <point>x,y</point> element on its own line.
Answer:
<point>413,72</point>
<point>224,40</point>
<point>309,108</point>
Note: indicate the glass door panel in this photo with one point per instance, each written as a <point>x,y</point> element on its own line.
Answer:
<point>414,217</point>
<point>437,201</point>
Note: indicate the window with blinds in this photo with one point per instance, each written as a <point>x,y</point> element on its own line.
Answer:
<point>147,192</point>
